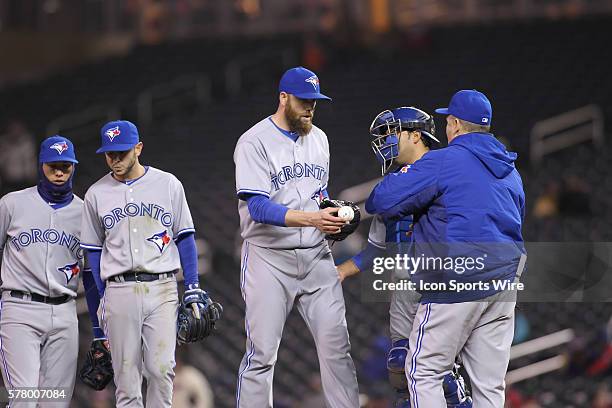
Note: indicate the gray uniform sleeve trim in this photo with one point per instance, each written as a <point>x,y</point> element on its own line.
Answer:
<point>183,231</point>
<point>89,246</point>
<point>5,221</point>
<point>376,245</point>
<point>252,191</point>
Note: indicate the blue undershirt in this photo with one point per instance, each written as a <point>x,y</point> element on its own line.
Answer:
<point>365,259</point>
<point>94,290</point>
<point>188,253</point>
<point>291,135</point>
<point>265,211</point>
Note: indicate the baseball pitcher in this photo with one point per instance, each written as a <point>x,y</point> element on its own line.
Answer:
<point>282,170</point>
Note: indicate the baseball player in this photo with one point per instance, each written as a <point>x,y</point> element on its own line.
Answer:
<point>401,136</point>
<point>41,265</point>
<point>470,205</point>
<point>282,170</point>
<point>138,230</point>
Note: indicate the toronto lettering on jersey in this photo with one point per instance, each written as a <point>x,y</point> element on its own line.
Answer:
<point>154,211</point>
<point>298,170</point>
<point>52,236</point>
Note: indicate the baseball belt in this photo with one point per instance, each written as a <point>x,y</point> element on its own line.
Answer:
<point>35,297</point>
<point>142,276</point>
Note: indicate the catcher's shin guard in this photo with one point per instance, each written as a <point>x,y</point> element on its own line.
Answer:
<point>402,402</point>
<point>396,363</point>
<point>455,392</point>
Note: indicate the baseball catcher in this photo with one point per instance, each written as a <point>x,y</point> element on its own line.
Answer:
<point>197,315</point>
<point>402,136</point>
<point>98,369</point>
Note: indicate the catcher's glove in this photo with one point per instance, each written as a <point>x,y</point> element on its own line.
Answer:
<point>197,315</point>
<point>346,229</point>
<point>98,369</point>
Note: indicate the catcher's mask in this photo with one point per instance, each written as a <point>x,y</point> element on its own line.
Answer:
<point>389,124</point>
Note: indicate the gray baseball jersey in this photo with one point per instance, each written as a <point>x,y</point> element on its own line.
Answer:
<point>40,245</point>
<point>135,223</point>
<point>290,173</point>
<point>40,255</point>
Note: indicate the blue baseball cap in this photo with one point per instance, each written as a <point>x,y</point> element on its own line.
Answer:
<point>56,149</point>
<point>118,136</point>
<point>302,83</point>
<point>469,105</point>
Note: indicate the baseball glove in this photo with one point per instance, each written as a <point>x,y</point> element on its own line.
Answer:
<point>98,369</point>
<point>346,229</point>
<point>197,316</point>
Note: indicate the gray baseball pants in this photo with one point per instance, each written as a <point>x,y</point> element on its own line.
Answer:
<point>272,280</point>
<point>139,319</point>
<point>39,346</point>
<point>480,333</point>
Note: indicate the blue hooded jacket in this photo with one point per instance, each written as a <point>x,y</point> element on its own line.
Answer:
<point>468,203</point>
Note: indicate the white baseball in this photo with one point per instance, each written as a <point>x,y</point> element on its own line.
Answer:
<point>346,213</point>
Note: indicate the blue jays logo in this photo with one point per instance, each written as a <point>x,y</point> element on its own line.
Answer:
<point>70,271</point>
<point>405,169</point>
<point>113,133</point>
<point>60,147</point>
<point>318,196</point>
<point>161,239</point>
<point>314,81</point>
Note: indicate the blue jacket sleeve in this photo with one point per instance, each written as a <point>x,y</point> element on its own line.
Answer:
<point>188,253</point>
<point>265,211</point>
<point>408,191</point>
<point>93,291</point>
<point>365,259</point>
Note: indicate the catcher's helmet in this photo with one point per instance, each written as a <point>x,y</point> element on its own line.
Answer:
<point>387,126</point>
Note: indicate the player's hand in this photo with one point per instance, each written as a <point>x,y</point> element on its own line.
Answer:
<point>342,274</point>
<point>325,221</point>
<point>106,345</point>
<point>347,269</point>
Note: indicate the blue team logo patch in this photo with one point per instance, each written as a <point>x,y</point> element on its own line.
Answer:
<point>59,147</point>
<point>405,169</point>
<point>70,271</point>
<point>161,239</point>
<point>112,133</point>
<point>318,196</point>
<point>314,81</point>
